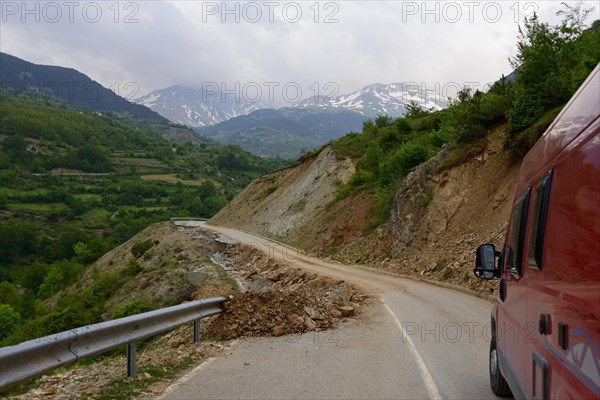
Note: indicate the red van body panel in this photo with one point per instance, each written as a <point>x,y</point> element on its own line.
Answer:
<point>547,315</point>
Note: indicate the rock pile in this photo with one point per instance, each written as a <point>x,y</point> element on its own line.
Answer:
<point>282,300</point>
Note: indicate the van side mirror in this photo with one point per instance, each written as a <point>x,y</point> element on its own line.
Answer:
<point>485,262</point>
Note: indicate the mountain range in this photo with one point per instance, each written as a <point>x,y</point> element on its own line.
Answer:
<point>287,132</point>
<point>197,107</point>
<point>378,99</point>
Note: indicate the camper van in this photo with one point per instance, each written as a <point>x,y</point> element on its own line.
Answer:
<point>545,339</point>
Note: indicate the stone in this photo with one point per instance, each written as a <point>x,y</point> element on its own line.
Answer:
<point>278,330</point>
<point>309,323</point>
<point>347,311</point>
<point>48,390</point>
<point>176,342</point>
<point>312,313</point>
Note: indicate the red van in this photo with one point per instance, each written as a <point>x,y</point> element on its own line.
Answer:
<point>546,320</point>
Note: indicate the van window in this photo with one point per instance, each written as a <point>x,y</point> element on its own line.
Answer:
<point>538,222</point>
<point>517,234</point>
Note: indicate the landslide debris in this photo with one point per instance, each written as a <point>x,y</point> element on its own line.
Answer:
<point>283,299</point>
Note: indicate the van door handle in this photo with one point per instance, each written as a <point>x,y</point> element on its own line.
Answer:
<point>502,289</point>
<point>544,324</point>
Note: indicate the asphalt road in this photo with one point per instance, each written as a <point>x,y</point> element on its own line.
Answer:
<point>421,341</point>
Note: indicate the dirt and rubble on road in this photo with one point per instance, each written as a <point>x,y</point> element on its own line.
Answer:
<point>282,299</point>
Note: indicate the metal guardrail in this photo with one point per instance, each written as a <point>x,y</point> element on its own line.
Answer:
<point>33,358</point>
<point>175,219</point>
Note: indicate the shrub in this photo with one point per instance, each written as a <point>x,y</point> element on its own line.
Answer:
<point>139,248</point>
<point>447,273</point>
<point>132,269</point>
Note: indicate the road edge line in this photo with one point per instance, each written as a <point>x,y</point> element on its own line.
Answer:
<point>430,385</point>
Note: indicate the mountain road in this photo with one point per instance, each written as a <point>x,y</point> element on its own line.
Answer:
<point>417,341</point>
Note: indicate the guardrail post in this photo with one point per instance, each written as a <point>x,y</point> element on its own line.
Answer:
<point>197,331</point>
<point>131,356</point>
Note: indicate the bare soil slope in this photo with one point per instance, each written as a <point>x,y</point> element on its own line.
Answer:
<point>278,204</point>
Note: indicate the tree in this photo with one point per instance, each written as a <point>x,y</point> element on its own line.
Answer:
<point>92,159</point>
<point>10,321</point>
<point>414,110</point>
<point>15,146</point>
<point>8,294</point>
<point>60,275</point>
<point>383,121</point>
<point>551,63</point>
<point>403,126</point>
<point>207,189</point>
<point>3,201</point>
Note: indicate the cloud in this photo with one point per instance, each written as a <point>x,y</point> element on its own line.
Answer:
<point>350,43</point>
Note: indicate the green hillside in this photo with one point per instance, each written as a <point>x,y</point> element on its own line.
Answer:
<point>74,183</point>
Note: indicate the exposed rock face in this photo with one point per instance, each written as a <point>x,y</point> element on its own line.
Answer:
<point>412,223</point>
<point>440,216</point>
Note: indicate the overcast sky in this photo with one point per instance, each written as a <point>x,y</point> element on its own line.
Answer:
<point>326,46</point>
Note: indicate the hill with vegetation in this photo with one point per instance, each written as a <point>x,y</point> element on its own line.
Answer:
<point>68,85</point>
<point>74,183</point>
<point>425,189</point>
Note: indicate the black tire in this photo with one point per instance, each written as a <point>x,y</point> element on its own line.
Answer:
<point>497,381</point>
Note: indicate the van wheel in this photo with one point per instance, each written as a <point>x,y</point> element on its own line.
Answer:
<point>497,381</point>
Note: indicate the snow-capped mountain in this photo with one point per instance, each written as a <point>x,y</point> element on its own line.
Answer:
<point>379,99</point>
<point>195,108</point>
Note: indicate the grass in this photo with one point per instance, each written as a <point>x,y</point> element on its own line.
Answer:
<point>139,162</point>
<point>299,206</point>
<point>425,198</point>
<point>127,388</point>
<point>37,207</point>
<point>466,276</point>
<point>352,145</point>
<point>447,273</point>
<point>222,275</point>
<point>268,191</point>
<point>330,251</point>
<point>16,192</point>
<point>523,141</point>
<point>172,178</point>
<point>96,213</point>
<point>88,196</point>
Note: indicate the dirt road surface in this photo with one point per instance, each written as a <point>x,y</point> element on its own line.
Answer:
<point>420,341</point>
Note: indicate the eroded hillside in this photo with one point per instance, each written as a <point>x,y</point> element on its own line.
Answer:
<point>282,203</point>
<point>438,217</point>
